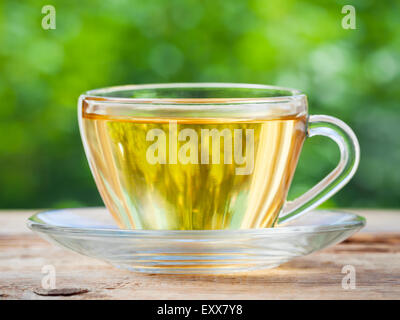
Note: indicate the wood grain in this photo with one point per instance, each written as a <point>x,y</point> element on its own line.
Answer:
<point>374,253</point>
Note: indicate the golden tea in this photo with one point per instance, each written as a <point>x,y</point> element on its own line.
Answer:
<point>193,174</point>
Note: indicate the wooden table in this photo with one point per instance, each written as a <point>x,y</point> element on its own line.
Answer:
<point>374,253</point>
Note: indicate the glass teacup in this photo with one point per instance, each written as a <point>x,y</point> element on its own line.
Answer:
<point>205,156</point>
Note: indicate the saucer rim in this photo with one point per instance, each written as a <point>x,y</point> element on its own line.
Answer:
<point>36,225</point>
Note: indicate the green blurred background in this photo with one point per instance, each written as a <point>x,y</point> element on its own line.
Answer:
<point>351,74</point>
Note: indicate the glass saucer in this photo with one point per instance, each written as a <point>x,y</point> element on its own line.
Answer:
<point>92,232</point>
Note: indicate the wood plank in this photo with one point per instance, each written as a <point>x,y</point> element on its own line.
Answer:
<point>374,252</point>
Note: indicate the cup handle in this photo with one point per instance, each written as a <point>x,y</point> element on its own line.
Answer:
<point>338,131</point>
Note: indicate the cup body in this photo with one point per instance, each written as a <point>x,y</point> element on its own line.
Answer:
<point>193,156</point>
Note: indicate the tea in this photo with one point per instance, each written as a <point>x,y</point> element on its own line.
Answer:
<point>193,174</point>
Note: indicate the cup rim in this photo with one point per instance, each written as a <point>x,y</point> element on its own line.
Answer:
<point>107,94</point>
